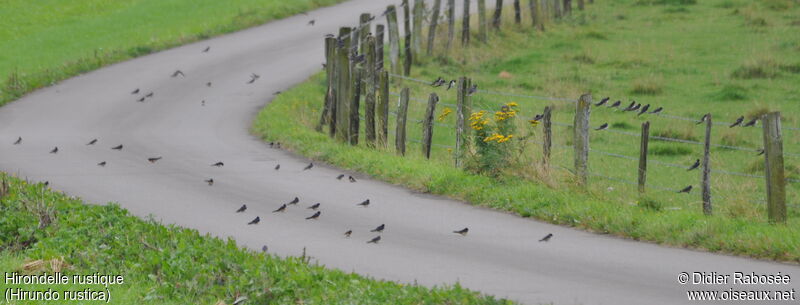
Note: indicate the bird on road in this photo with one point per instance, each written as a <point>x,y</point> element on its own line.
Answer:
<point>340,177</point>
<point>737,122</point>
<point>351,179</point>
<point>208,84</point>
<point>149,94</point>
<point>451,84</point>
<point>703,119</point>
<point>547,237</point>
<point>438,82</point>
<point>141,100</point>
<point>602,127</point>
<point>102,164</point>
<point>55,150</point>
<point>252,80</point>
<point>203,103</point>
<point>255,221</point>
<point>242,208</point>
<point>314,206</point>
<point>686,189</point>
<point>210,181</point>
<point>657,110</point>
<point>311,22</point>
<point>751,122</point>
<point>315,216</point>
<point>18,141</point>
<point>348,233</point>
<point>280,209</point>
<point>379,228</point>
<point>364,203</point>
<point>178,73</point>
<point>644,109</point>
<point>207,49</point>
<point>264,249</point>
<point>294,201</point>
<point>463,231</point>
<point>602,102</point>
<point>118,147</point>
<point>695,165</point>
<point>218,164</point>
<point>92,142</point>
<point>375,240</point>
<point>310,165</point>
<point>154,159</point>
<point>135,91</point>
<point>277,167</point>
<point>615,104</point>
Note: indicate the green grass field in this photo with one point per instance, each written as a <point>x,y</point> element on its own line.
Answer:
<point>730,58</point>
<point>45,41</point>
<point>170,265</point>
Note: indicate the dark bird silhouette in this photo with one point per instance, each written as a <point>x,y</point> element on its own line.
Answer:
<point>364,203</point>
<point>277,93</point>
<point>472,89</point>
<point>375,240</point>
<point>636,107</point>
<point>135,91</point>
<point>329,35</point>
<point>218,164</point>
<point>315,216</point>
<point>463,231</point>
<point>207,49</point>
<point>92,142</point>
<point>46,183</point>
<point>695,165</point>
<point>277,167</point>
<point>703,119</point>
<point>311,22</point>
<point>203,103</point>
<point>438,82</point>
<point>278,144</point>
<point>538,117</point>
<point>208,84</point>
<point>602,102</point>
<point>379,228</point>
<point>252,80</point>
<point>352,180</point>
<point>280,209</point>
<point>547,237</point>
<point>141,100</point>
<point>340,177</point>
<point>149,94</point>
<point>55,150</point>
<point>760,152</point>
<point>602,127</point>
<point>314,206</point>
<point>118,147</point>
<point>294,201</point>
<point>451,84</point>
<point>657,110</point>
<point>178,73</point>
<point>210,181</point>
<point>644,109</point>
<point>242,208</point>
<point>348,233</point>
<point>751,122</point>
<point>264,249</point>
<point>101,164</point>
<point>310,165</point>
<point>630,107</point>
<point>255,221</point>
<point>737,122</point>
<point>256,76</point>
<point>686,189</point>
<point>18,141</point>
<point>616,104</point>
<point>154,159</point>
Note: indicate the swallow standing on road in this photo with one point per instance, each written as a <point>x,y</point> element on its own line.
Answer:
<point>463,231</point>
<point>352,180</point>
<point>751,122</point>
<point>310,165</point>
<point>256,76</point>
<point>657,110</point>
<point>207,49</point>
<point>277,93</point>
<point>277,167</point>
<point>602,127</point>
<point>294,201</point>
<point>438,82</point>
<point>208,84</point>
<point>149,94</point>
<point>375,240</point>
<point>686,189</point>
<point>218,164</point>
<point>314,206</point>
<point>340,177</point>
<point>602,102</point>
<point>379,229</point>
<point>547,237</point>
<point>135,91</point>
<point>101,164</point>
<point>252,80</point>
<point>364,203</point>
<point>203,103</point>
<point>280,209</point>
<point>210,181</point>
<point>242,208</point>
<point>264,249</point>
<point>737,122</point>
<point>118,147</point>
<point>311,22</point>
<point>255,221</point>
<point>141,100</point>
<point>315,216</point>
<point>154,159</point>
<point>18,141</point>
<point>703,119</point>
<point>55,150</point>
<point>695,165</point>
<point>472,89</point>
<point>348,233</point>
<point>644,109</point>
<point>92,142</point>
<point>451,84</point>
<point>177,73</point>
<point>615,104</point>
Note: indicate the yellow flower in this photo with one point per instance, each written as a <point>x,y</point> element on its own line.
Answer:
<point>512,104</point>
<point>533,123</point>
<point>445,112</point>
<point>505,139</point>
<point>493,137</point>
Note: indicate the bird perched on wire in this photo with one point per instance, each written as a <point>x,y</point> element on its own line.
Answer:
<point>118,147</point>
<point>340,177</point>
<point>92,142</point>
<point>208,48</point>
<point>315,216</point>
<point>154,159</point>
<point>375,240</point>
<point>101,164</point>
<point>277,167</point>
<point>538,117</point>
<point>178,73</point>
<point>737,122</point>
<point>472,89</point>
<point>695,165</point>
<point>218,164</point>
<point>644,109</point>
<point>309,166</point>
<point>312,22</point>
<point>547,237</point>
<point>242,208</point>
<point>379,228</point>
<point>760,152</point>
<point>615,105</point>
<point>348,233</point>
<point>438,82</point>
<point>463,231</point>
<point>751,122</point>
<point>136,91</point>
<point>364,203</point>
<point>686,189</point>
<point>294,201</point>
<point>255,221</point>
<point>636,107</point>
<point>657,110</point>
<point>451,84</point>
<point>210,181</point>
<point>18,141</point>
<point>602,127</point>
<point>602,102</point>
<point>703,119</point>
<point>54,150</point>
<point>280,209</point>
<point>314,206</point>
<point>352,180</point>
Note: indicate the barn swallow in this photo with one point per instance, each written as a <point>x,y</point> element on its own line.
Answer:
<point>463,231</point>
<point>280,209</point>
<point>277,167</point>
<point>636,107</point>
<point>379,228</point>
<point>294,201</point>
<point>277,93</point>
<point>314,206</point>
<point>210,181</point>
<point>141,100</point>
<point>351,179</point>
<point>118,147</point>
<point>538,117</point>
<point>703,119</point>
<point>615,105</point>
<point>208,84</point>
<point>737,122</point>
<point>364,203</point>
<point>218,164</point>
<point>695,165</point>
<point>252,80</point>
<point>149,94</point>
<point>547,237</point>
<point>154,159</point>
<point>451,84</point>
<point>657,110</point>
<point>203,103</point>
<point>18,141</point>
<point>686,189</point>
<point>472,89</point>
<point>207,49</point>
<point>242,209</point>
<point>255,221</point>
<point>602,127</point>
<point>751,122</point>
<point>135,91</point>
<point>55,150</point>
<point>630,107</point>
<point>348,233</point>
<point>101,164</point>
<point>311,22</point>
<point>264,249</point>
<point>178,72</point>
<point>315,216</point>
<point>375,240</point>
<point>310,165</point>
<point>438,82</point>
<point>760,152</point>
<point>602,102</point>
<point>92,142</point>
<point>256,76</point>
<point>340,177</point>
<point>644,109</point>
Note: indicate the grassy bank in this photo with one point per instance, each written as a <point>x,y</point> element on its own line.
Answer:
<point>45,231</point>
<point>46,41</point>
<point>730,58</point>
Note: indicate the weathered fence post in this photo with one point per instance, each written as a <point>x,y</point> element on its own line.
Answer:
<point>400,133</point>
<point>581,137</point>
<point>567,7</point>
<point>416,36</point>
<point>394,38</point>
<point>342,85</point>
<point>379,34</point>
<point>557,9</point>
<point>371,86</point>
<point>462,113</point>
<point>498,14</point>
<point>536,20</point>
<point>773,158</point>
<point>427,125</point>
<point>451,25</point>
<point>465,24</point>
<point>364,29</point>
<point>643,155</point>
<point>580,4</point>
<point>707,168</point>
<point>434,21</point>
<point>327,111</point>
<point>408,48</point>
<point>355,94</point>
<point>517,12</point>
<point>483,27</point>
<point>547,143</point>
<point>383,110</point>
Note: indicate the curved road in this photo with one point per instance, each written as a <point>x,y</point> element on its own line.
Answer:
<point>500,256</point>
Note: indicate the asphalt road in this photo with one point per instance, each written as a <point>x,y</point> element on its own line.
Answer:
<point>500,255</point>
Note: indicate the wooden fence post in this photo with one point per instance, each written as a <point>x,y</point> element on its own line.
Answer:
<point>567,7</point>
<point>707,168</point>
<point>465,24</point>
<point>581,137</point>
<point>451,25</point>
<point>371,86</point>
<point>394,38</point>
<point>773,158</point>
<point>416,36</point>
<point>517,12</point>
<point>400,133</point>
<point>427,125</point>
<point>330,53</point>
<point>643,155</point>
<point>355,98</point>
<point>580,4</point>
<point>557,9</point>
<point>383,110</point>
<point>364,30</point>
<point>407,28</point>
<point>342,85</point>
<point>498,14</point>
<point>536,20</point>
<point>547,143</point>
<point>434,21</point>
<point>462,124</point>
<point>483,27</point>
<point>379,37</point>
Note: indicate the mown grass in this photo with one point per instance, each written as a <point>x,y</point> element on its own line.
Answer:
<point>631,57</point>
<point>45,41</point>
<point>171,265</point>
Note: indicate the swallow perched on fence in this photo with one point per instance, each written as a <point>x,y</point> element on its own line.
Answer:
<point>630,107</point>
<point>178,73</point>
<point>218,164</point>
<point>463,231</point>
<point>703,119</point>
<point>154,159</point>
<point>92,142</point>
<point>208,48</point>
<point>615,104</point>
<point>602,102</point>
<point>352,180</point>
<point>438,82</point>
<point>737,122</point>
<point>315,216</point>
<point>242,208</point>
<point>451,84</point>
<point>348,233</point>
<point>101,164</point>
<point>375,240</point>
<point>538,117</point>
<point>695,165</point>
<point>686,189</point>
<point>255,221</point>
<point>364,203</point>
<point>760,152</point>
<point>379,228</point>
<point>309,166</point>
<point>54,150</point>
<point>547,237</point>
<point>657,110</point>
<point>277,167</point>
<point>472,89</point>
<point>210,181</point>
<point>118,147</point>
<point>644,109</point>
<point>312,22</point>
<point>340,177</point>
<point>280,209</point>
<point>602,127</point>
<point>294,201</point>
<point>314,206</point>
<point>751,122</point>
<point>329,35</point>
<point>636,107</point>
<point>18,141</point>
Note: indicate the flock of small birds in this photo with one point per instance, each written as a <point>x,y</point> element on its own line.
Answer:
<point>441,82</point>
